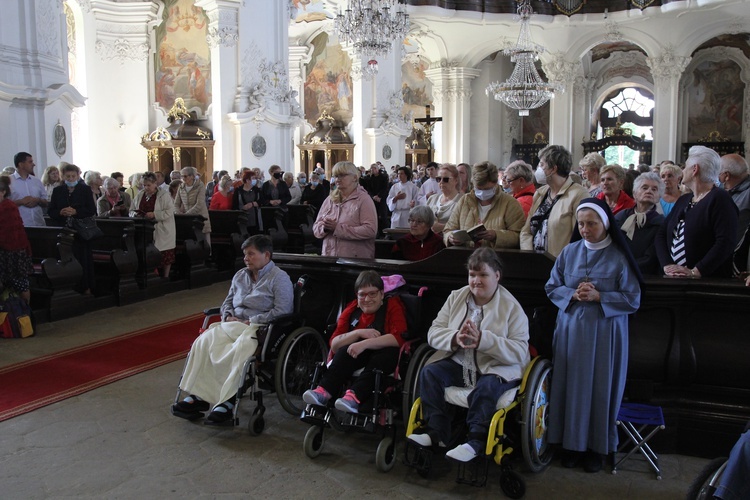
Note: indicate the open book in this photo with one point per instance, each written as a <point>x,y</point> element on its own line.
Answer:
<point>462,236</point>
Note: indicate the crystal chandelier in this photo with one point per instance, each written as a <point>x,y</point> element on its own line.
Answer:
<point>371,26</point>
<point>525,89</point>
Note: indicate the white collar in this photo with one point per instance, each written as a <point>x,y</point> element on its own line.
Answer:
<point>598,245</point>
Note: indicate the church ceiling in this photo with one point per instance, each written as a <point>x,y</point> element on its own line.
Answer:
<point>740,41</point>
<point>544,7</point>
<point>604,50</point>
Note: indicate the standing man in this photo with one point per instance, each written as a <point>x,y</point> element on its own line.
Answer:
<point>735,178</point>
<point>28,192</point>
<point>430,185</point>
<point>377,187</point>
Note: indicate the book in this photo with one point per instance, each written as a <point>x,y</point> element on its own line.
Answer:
<point>462,236</point>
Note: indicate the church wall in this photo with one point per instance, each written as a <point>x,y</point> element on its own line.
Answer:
<point>491,131</point>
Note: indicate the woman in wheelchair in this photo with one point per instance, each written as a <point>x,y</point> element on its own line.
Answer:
<point>482,335</point>
<point>368,335</point>
<point>258,294</point>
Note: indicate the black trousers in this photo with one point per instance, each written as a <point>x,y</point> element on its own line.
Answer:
<point>343,366</point>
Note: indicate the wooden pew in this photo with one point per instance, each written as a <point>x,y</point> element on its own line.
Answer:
<point>274,225</point>
<point>116,259</point>
<point>56,273</point>
<point>191,251</point>
<point>228,231</point>
<point>688,341</point>
<point>299,222</point>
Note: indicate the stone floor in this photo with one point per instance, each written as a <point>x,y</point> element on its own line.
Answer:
<point>120,441</point>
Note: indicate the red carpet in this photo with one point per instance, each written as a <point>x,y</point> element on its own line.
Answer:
<point>38,382</point>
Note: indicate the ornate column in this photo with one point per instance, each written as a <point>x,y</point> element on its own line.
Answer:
<point>666,69</point>
<point>558,69</point>
<point>299,56</point>
<point>451,91</point>
<point>583,90</point>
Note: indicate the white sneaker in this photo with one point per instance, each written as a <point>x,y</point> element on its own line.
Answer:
<point>462,453</point>
<point>421,439</point>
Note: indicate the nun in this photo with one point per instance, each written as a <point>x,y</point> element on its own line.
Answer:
<point>595,284</point>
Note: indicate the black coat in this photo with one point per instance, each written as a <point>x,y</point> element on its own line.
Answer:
<point>284,195</point>
<point>81,198</point>
<point>642,244</point>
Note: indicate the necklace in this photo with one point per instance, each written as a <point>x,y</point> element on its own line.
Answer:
<point>588,269</point>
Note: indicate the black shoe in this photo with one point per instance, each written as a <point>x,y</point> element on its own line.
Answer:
<point>570,459</point>
<point>190,408</point>
<point>220,417</point>
<point>593,462</point>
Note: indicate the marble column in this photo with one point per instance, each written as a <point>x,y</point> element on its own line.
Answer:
<point>561,110</point>
<point>451,90</point>
<point>666,69</point>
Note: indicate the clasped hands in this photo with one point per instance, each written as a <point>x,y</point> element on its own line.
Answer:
<point>234,318</point>
<point>675,270</point>
<point>68,212</point>
<point>329,225</point>
<point>469,335</point>
<point>586,292</point>
<point>358,347</point>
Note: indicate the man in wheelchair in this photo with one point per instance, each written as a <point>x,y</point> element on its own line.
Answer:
<point>481,334</point>
<point>368,335</point>
<point>258,294</point>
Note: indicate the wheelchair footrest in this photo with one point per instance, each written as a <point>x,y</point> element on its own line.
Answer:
<point>355,421</point>
<point>418,457</point>
<point>474,472</point>
<point>315,415</point>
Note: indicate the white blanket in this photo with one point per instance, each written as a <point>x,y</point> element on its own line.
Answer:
<point>216,359</point>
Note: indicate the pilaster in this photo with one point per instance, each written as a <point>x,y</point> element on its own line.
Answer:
<point>561,110</point>
<point>666,68</point>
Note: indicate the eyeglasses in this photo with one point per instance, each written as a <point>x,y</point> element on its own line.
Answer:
<point>443,179</point>
<point>509,180</point>
<point>416,221</point>
<point>367,295</point>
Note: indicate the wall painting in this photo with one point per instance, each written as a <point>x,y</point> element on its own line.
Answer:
<point>329,83</point>
<point>715,101</point>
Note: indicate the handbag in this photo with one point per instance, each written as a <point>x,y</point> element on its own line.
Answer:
<point>15,317</point>
<point>85,227</point>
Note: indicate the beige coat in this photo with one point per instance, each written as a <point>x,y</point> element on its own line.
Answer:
<point>505,218</point>
<point>193,202</point>
<point>165,232</point>
<point>562,217</point>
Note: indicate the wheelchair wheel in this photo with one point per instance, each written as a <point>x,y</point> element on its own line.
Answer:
<point>411,382</point>
<point>385,456</point>
<point>301,351</point>
<point>537,453</point>
<point>313,443</point>
<point>256,424</point>
<point>512,484</point>
<point>704,486</point>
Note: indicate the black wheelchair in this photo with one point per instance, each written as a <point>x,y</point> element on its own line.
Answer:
<point>517,429</point>
<point>288,351</point>
<point>380,416</point>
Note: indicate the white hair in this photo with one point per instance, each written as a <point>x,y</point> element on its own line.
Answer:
<point>708,160</point>
<point>649,176</point>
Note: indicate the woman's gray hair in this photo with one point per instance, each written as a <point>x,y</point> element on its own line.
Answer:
<point>648,176</point>
<point>592,160</point>
<point>111,182</point>
<point>708,160</point>
<point>189,171</point>
<point>91,176</point>
<point>519,168</point>
<point>423,212</point>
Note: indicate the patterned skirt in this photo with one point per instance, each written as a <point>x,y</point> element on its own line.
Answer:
<point>15,267</point>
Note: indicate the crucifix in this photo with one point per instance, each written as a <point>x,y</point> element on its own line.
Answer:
<point>428,122</point>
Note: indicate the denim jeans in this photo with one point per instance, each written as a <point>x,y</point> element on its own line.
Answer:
<point>482,400</point>
<point>734,483</point>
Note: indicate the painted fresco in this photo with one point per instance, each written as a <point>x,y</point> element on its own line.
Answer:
<point>309,11</point>
<point>416,88</point>
<point>715,101</point>
<point>183,65</point>
<point>329,83</point>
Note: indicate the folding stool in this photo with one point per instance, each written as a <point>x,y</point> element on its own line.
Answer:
<point>648,419</point>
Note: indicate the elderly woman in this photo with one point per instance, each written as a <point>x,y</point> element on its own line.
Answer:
<point>155,204</point>
<point>612,181</point>
<point>93,180</point>
<point>51,179</point>
<point>314,193</point>
<point>671,175</point>
<point>248,198</point>
<point>295,191</point>
<point>363,339</point>
<point>699,235</point>
<point>74,200</point>
<point>421,242</point>
<point>113,203</point>
<point>135,182</point>
<point>275,191</point>
<point>552,215</point>
<point>520,179</point>
<point>347,222</point>
<point>591,166</point>
<point>443,203</point>
<point>641,223</point>
<point>482,338</point>
<point>402,197</point>
<point>15,249</point>
<point>191,199</point>
<point>595,285</point>
<point>223,197</point>
<point>488,205</point>
<point>464,178</point>
<point>259,293</point>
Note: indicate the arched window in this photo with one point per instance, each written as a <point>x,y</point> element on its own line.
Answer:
<point>630,111</point>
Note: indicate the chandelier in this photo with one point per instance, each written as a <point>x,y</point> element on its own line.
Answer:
<point>525,89</point>
<point>371,26</point>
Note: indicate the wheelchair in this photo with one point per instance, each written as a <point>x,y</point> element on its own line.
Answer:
<point>380,415</point>
<point>518,428</point>
<point>288,351</point>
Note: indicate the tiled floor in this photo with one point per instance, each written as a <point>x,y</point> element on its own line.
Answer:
<point>120,441</point>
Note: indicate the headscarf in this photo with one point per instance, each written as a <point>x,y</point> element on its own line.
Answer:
<point>601,208</point>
